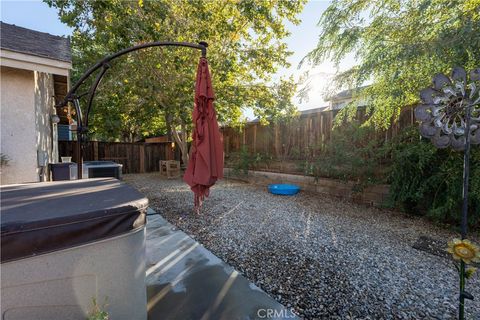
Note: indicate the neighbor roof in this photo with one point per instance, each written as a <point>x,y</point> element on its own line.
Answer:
<point>300,113</point>
<point>314,110</point>
<point>36,43</point>
<point>345,94</point>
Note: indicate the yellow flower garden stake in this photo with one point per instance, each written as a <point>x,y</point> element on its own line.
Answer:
<point>449,116</point>
<point>464,250</point>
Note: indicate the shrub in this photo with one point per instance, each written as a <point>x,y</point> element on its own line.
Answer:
<point>426,180</point>
<point>353,153</point>
<point>244,160</point>
<point>96,313</point>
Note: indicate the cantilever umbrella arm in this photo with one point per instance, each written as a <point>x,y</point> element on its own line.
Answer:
<point>104,65</point>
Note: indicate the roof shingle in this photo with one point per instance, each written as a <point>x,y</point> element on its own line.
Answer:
<point>33,42</point>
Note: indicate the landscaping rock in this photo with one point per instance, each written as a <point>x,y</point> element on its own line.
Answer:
<point>324,257</point>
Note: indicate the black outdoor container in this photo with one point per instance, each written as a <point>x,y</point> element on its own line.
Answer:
<point>62,171</point>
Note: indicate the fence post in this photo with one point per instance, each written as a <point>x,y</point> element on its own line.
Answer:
<point>95,150</point>
<point>318,133</point>
<point>237,141</point>
<point>321,130</point>
<point>254,138</point>
<point>169,153</point>
<point>277,142</point>
<point>227,144</point>
<point>142,158</point>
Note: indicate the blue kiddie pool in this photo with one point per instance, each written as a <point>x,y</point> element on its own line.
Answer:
<point>283,189</point>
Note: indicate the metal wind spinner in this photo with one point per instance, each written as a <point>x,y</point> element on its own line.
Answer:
<point>448,107</point>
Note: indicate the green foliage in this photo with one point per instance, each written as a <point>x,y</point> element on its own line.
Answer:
<point>152,89</point>
<point>423,180</point>
<point>354,153</point>
<point>399,46</point>
<point>243,161</point>
<point>428,180</point>
<point>275,104</point>
<point>4,160</point>
<point>96,313</point>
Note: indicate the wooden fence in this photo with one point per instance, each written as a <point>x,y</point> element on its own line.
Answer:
<point>135,157</point>
<point>306,134</point>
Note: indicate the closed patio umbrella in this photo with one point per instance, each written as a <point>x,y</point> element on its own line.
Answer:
<point>205,166</point>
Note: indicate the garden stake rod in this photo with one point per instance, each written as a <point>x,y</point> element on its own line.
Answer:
<point>446,118</point>
<point>464,226</point>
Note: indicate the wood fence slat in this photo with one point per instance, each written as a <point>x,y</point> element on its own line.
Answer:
<point>135,157</point>
<point>305,136</point>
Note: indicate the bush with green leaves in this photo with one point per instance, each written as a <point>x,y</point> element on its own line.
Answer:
<point>424,180</point>
<point>245,160</point>
<point>241,161</point>
<point>97,312</point>
<point>427,180</point>
<point>354,152</point>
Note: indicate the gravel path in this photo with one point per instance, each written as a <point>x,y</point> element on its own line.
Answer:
<point>326,258</point>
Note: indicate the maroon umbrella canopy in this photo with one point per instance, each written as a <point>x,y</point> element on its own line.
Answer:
<point>205,166</point>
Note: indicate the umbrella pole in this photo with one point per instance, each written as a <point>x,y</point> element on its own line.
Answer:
<point>204,49</point>
<point>71,96</point>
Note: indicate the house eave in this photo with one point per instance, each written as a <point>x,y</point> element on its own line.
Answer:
<point>24,61</point>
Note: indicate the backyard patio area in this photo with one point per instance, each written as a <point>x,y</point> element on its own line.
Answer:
<point>240,159</point>
<point>321,256</point>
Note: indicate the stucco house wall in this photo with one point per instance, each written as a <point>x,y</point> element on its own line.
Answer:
<point>32,63</point>
<point>44,109</point>
<point>18,133</point>
<point>27,104</point>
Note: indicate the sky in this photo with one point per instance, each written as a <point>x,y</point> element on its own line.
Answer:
<point>302,40</point>
<point>39,16</point>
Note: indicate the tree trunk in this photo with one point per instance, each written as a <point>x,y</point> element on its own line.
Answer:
<point>181,140</point>
<point>168,121</point>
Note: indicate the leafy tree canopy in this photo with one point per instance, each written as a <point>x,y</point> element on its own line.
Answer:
<point>400,45</point>
<point>151,86</point>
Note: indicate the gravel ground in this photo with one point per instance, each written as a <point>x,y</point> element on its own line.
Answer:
<point>324,257</point>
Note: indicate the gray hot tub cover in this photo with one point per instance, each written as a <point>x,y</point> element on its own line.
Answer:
<point>37,218</point>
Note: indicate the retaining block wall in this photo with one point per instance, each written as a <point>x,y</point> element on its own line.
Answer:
<point>375,195</point>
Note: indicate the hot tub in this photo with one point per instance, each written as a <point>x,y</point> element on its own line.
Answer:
<point>99,169</point>
<point>65,243</point>
<point>102,169</point>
